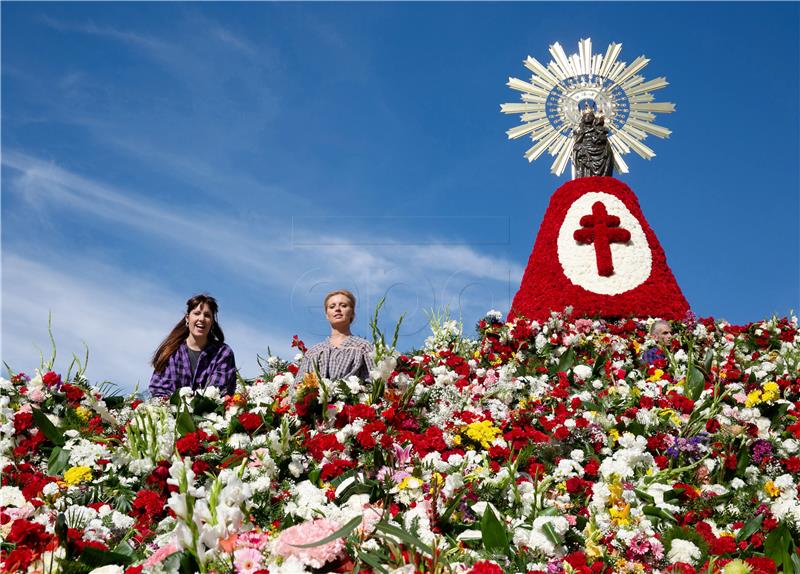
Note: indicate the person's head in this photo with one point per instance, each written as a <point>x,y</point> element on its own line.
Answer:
<point>661,331</point>
<point>340,308</point>
<point>200,319</point>
<point>201,316</point>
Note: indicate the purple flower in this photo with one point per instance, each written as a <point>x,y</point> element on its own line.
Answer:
<point>761,449</point>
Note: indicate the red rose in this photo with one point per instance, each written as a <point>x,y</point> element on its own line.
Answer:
<point>250,421</point>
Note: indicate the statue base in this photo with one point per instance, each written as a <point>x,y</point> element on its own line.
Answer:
<point>596,253</point>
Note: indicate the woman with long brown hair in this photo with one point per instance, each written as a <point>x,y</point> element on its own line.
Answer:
<point>194,354</point>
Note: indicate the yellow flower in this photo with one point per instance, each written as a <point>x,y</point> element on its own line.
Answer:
<point>737,567</point>
<point>482,432</point>
<point>456,440</point>
<point>78,474</point>
<point>771,489</point>
<point>656,376</point>
<point>619,514</point>
<point>753,398</point>
<point>83,413</point>
<point>409,482</point>
<point>771,391</point>
<point>613,434</point>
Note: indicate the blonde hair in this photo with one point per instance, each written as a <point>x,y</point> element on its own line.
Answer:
<point>346,293</point>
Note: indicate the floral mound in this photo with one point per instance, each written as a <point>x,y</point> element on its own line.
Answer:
<point>537,448</point>
<point>596,253</point>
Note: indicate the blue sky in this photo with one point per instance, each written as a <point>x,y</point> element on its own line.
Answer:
<point>267,153</point>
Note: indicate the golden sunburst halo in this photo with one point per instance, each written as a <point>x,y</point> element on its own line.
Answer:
<point>553,99</point>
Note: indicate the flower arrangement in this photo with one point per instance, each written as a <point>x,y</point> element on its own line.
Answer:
<point>538,447</point>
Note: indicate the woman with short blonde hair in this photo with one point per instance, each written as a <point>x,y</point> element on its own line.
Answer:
<point>342,354</point>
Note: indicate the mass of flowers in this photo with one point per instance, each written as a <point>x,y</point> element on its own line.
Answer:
<point>535,447</point>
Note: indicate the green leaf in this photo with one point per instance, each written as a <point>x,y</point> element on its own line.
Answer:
<point>708,360</point>
<point>188,563</point>
<point>657,512</point>
<point>96,557</point>
<point>371,561</point>
<point>495,537</point>
<point>744,461</point>
<point>552,534</point>
<point>403,536</point>
<point>795,562</point>
<point>750,527</point>
<point>114,402</point>
<point>202,405</point>
<point>53,433</point>
<point>445,517</point>
<point>644,496</point>
<point>695,382</point>
<point>590,406</point>
<point>599,363</point>
<point>775,545</point>
<point>566,361</point>
<point>341,533</point>
<point>184,423</point>
<point>58,461</point>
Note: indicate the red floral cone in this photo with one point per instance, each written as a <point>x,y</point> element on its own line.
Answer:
<point>596,253</point>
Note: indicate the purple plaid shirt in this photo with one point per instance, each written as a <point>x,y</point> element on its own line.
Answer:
<point>652,355</point>
<point>216,367</point>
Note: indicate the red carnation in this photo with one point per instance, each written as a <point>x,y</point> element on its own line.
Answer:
<point>23,421</point>
<point>722,545</point>
<point>74,394</point>
<point>485,567</point>
<point>50,379</point>
<point>250,421</point>
<point>336,468</point>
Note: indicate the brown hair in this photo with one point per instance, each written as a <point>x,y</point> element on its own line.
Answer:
<point>180,331</point>
<point>347,294</point>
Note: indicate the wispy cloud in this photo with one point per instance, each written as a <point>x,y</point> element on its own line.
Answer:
<point>151,43</point>
<point>40,181</point>
<point>416,276</point>
<point>233,40</point>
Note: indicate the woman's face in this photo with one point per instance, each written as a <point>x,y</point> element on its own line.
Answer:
<point>339,311</point>
<point>200,321</point>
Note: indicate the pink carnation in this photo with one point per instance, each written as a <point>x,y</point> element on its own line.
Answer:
<point>252,539</point>
<point>307,533</point>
